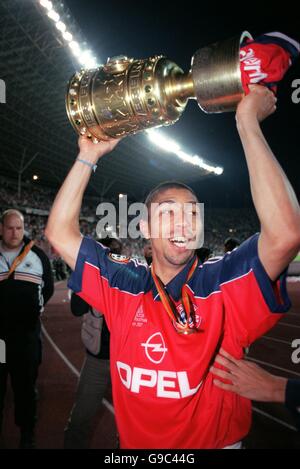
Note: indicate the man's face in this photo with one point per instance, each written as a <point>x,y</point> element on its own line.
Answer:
<point>174,226</point>
<point>12,231</point>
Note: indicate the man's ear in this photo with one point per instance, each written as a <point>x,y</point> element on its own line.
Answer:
<point>144,227</point>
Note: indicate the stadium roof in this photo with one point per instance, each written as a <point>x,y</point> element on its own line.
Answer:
<point>36,136</point>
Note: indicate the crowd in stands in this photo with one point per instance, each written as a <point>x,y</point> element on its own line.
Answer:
<point>35,203</point>
<point>32,195</point>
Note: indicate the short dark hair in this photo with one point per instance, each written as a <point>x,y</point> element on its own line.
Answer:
<point>108,241</point>
<point>230,244</point>
<point>203,253</point>
<point>162,187</point>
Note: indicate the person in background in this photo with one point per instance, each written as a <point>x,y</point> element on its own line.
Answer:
<point>203,253</point>
<point>230,244</point>
<point>60,268</point>
<point>147,250</point>
<point>26,284</point>
<point>251,381</point>
<point>94,377</point>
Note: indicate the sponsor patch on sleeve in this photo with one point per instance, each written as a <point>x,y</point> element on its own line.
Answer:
<point>118,258</point>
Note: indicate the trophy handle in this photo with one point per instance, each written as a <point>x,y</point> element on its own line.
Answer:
<point>216,75</point>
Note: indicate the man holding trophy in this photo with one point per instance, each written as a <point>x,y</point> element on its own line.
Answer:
<point>167,322</point>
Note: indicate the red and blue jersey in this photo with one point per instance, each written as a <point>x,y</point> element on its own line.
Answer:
<point>163,392</point>
<point>266,59</point>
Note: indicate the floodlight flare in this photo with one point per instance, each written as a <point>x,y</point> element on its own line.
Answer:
<point>173,147</point>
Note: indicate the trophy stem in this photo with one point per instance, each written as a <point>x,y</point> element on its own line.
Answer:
<point>180,88</point>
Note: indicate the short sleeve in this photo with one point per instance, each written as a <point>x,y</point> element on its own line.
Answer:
<point>105,280</point>
<point>250,297</point>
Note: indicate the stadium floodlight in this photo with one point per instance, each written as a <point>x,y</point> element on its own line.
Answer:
<point>83,56</point>
<point>86,55</point>
<point>74,45</point>
<point>173,147</point>
<point>46,4</point>
<point>86,59</point>
<point>67,36</point>
<point>163,142</point>
<point>53,15</point>
<point>77,53</point>
<point>90,63</point>
<point>75,48</point>
<point>61,26</point>
<point>219,170</point>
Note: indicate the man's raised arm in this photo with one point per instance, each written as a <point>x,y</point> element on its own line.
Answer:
<point>274,199</point>
<point>62,229</point>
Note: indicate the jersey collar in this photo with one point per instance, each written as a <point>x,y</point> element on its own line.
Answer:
<point>175,285</point>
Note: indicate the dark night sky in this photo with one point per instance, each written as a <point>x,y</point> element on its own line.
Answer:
<point>141,29</point>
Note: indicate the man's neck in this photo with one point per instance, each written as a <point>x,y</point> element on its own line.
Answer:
<point>6,248</point>
<point>166,273</point>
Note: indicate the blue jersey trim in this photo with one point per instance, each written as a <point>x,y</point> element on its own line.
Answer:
<point>128,277</point>
<point>267,288</point>
<point>207,279</point>
<point>75,280</point>
<point>241,261</point>
<point>246,256</point>
<point>284,43</point>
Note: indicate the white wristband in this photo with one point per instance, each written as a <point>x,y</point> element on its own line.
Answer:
<point>91,165</point>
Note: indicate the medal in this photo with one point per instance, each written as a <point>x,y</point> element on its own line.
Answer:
<point>184,322</point>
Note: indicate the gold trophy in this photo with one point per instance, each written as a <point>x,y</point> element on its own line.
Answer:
<point>126,96</point>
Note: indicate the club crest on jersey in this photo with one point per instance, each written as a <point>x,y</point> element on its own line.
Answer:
<point>118,258</point>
